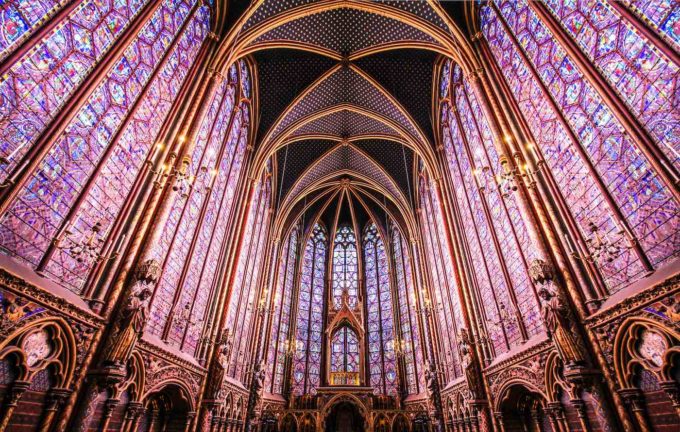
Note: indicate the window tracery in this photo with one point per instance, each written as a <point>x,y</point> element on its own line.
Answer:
<point>307,357</point>
<point>345,266</point>
<point>408,321</point>
<point>379,311</point>
<point>281,343</point>
<point>493,229</point>
<point>107,137</point>
<point>444,301</point>
<point>610,186</point>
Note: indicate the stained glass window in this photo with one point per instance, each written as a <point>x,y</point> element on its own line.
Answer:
<point>345,350</point>
<point>644,77</point>
<point>408,321</point>
<point>663,15</point>
<point>96,159</point>
<point>247,279</point>
<point>493,229</point>
<point>281,325</point>
<point>20,18</point>
<point>594,162</point>
<point>191,241</point>
<point>444,298</point>
<point>39,83</point>
<point>380,323</point>
<point>345,268</point>
<point>307,358</point>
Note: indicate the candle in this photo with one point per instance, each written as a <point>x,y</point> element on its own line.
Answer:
<point>616,222</point>
<point>21,168</point>
<point>16,150</point>
<point>567,243</point>
<point>121,242</point>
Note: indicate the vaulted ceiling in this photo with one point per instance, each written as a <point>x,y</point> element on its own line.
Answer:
<point>345,94</point>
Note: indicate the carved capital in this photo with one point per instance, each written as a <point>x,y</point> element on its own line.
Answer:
<point>672,389</point>
<point>110,406</point>
<point>134,410</point>
<point>16,391</point>
<point>633,398</point>
<point>56,397</point>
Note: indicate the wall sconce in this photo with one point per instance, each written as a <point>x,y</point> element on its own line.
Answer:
<point>506,180</point>
<point>427,307</point>
<point>183,178</point>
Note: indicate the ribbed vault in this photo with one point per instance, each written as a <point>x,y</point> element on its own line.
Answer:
<point>346,101</point>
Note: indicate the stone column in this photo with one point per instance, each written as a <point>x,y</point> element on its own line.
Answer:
<point>499,420</point>
<point>17,389</point>
<point>55,400</point>
<point>133,414</point>
<point>672,389</point>
<point>633,399</point>
<point>109,407</point>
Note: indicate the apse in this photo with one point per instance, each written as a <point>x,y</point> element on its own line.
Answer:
<point>339,215</point>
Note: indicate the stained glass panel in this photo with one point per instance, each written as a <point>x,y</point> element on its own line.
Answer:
<point>282,314</point>
<point>38,84</point>
<point>609,153</point>
<point>344,350</point>
<point>345,269</point>
<point>20,18</point>
<point>116,133</point>
<point>380,323</point>
<point>307,357</point>
<point>643,76</point>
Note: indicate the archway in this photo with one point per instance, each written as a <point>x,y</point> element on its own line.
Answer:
<point>400,424</point>
<point>166,410</point>
<point>344,417</point>
<point>523,410</point>
<point>289,424</point>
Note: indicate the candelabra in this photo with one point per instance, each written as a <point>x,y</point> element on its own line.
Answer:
<point>183,318</point>
<point>427,308</point>
<point>262,307</point>
<point>290,347</point>
<point>86,248</point>
<point>183,180</point>
<point>503,323</point>
<point>605,248</point>
<point>400,347</point>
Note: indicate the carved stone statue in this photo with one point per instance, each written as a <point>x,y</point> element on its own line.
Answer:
<point>129,325</point>
<point>259,375</point>
<point>219,366</point>
<point>556,318</point>
<point>430,378</point>
<point>469,359</point>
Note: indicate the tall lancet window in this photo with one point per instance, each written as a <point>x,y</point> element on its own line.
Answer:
<point>381,355</point>
<point>280,342</point>
<point>614,184</point>
<point>79,177</point>
<point>307,358</point>
<point>248,276</point>
<point>345,267</point>
<point>345,351</point>
<point>191,241</point>
<point>493,230</point>
<point>408,320</point>
<point>444,298</point>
